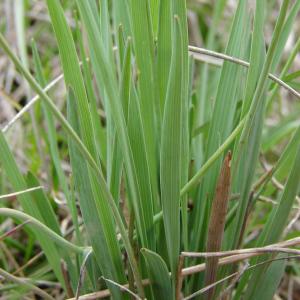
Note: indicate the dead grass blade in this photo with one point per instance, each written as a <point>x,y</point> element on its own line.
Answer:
<point>217,223</point>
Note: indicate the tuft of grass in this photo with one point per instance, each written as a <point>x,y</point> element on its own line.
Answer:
<point>135,149</point>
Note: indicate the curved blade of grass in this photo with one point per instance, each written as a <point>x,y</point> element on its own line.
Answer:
<point>43,204</point>
<point>18,182</point>
<point>158,275</point>
<point>52,137</point>
<point>42,229</point>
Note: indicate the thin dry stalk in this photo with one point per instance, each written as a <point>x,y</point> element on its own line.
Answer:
<point>186,272</point>
<point>23,282</point>
<point>234,281</point>
<point>241,62</point>
<point>29,263</point>
<point>217,224</point>
<point>30,104</point>
<point>278,247</point>
<point>210,287</point>
<point>66,277</point>
<point>15,194</point>
<point>13,230</point>
<point>123,288</point>
<point>235,275</point>
<point>179,278</point>
<point>82,273</point>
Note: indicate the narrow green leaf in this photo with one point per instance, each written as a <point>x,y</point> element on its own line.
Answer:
<point>170,154</point>
<point>268,285</point>
<point>144,53</point>
<point>52,137</point>
<point>158,274</point>
<point>72,72</point>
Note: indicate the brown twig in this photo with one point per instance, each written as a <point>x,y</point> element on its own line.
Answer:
<point>185,272</point>
<point>13,230</point>
<point>66,277</point>
<point>217,224</point>
<point>212,286</point>
<point>234,281</point>
<point>179,278</point>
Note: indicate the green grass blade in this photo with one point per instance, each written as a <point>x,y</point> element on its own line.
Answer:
<point>267,287</point>
<point>179,9</point>
<point>72,72</point>
<point>154,9</point>
<point>170,171</point>
<point>40,229</point>
<point>144,54</point>
<point>52,137</point>
<point>121,17</point>
<point>158,275</point>
<point>100,131</point>
<point>164,48</point>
